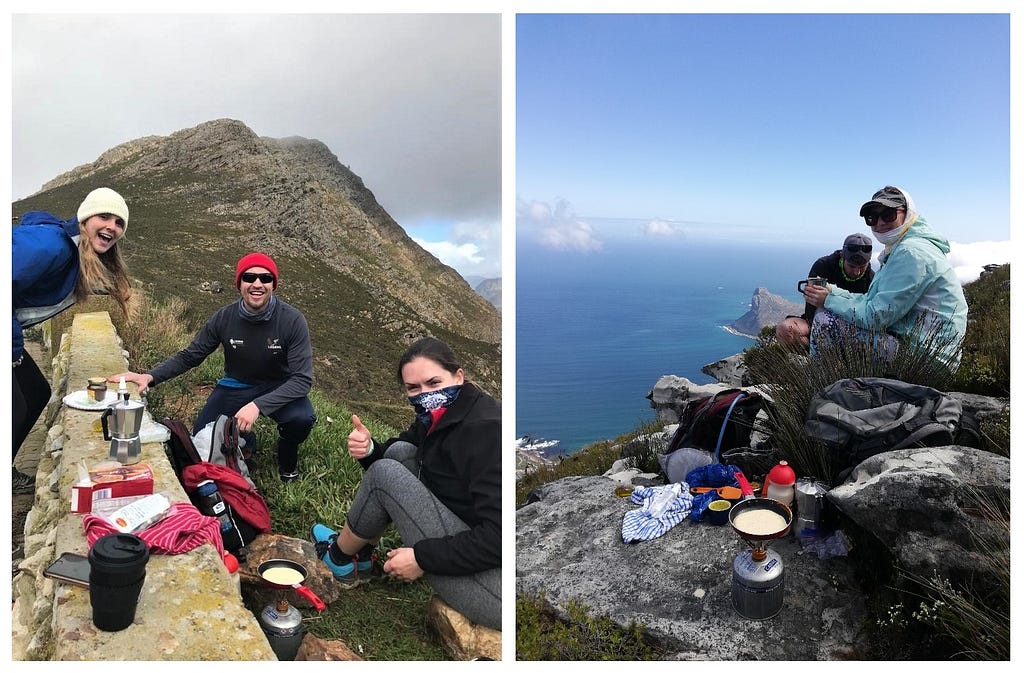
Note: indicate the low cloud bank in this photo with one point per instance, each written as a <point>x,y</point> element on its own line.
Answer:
<point>970,259</point>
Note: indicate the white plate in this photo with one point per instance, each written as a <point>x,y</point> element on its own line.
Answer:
<point>80,400</point>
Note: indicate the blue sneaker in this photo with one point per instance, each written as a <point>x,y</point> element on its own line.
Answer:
<point>349,575</point>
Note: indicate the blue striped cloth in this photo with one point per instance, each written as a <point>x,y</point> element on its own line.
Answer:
<point>662,507</point>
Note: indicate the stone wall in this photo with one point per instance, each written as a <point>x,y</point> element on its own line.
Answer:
<point>190,608</point>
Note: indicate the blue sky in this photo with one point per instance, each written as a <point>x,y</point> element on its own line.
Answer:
<point>758,127</point>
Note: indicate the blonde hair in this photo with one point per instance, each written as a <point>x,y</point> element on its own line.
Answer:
<point>103,273</point>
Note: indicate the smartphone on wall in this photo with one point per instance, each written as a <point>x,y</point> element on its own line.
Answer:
<point>71,568</point>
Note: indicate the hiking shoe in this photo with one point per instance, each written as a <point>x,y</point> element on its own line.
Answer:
<point>289,476</point>
<point>349,575</point>
<point>21,483</point>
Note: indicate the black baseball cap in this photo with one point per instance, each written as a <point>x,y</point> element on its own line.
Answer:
<point>887,197</point>
<point>854,249</point>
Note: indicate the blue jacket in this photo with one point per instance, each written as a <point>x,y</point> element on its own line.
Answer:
<point>915,292</point>
<point>44,270</point>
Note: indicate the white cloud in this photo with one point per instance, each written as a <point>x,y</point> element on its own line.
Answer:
<point>969,259</point>
<point>663,228</point>
<point>557,227</point>
<point>472,248</point>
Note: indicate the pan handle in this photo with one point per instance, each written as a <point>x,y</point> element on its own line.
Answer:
<point>306,592</point>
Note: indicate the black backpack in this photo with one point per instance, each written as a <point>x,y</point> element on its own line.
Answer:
<point>718,422</point>
<point>224,450</point>
<point>859,418</point>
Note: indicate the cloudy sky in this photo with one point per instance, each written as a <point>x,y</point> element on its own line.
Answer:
<point>411,103</point>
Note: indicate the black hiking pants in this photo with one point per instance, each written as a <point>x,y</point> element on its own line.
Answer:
<point>30,393</point>
<point>294,420</point>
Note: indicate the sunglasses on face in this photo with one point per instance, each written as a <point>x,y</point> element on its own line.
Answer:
<point>265,278</point>
<point>859,248</point>
<point>887,215</point>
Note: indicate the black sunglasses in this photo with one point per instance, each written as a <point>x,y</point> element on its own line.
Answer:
<point>858,248</point>
<point>265,278</point>
<point>887,215</point>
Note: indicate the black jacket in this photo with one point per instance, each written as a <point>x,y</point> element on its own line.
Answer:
<point>827,267</point>
<point>460,462</point>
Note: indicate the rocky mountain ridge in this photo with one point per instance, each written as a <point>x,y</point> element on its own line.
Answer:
<point>202,197</point>
<point>490,289</point>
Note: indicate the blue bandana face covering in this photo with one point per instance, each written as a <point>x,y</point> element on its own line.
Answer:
<point>426,402</point>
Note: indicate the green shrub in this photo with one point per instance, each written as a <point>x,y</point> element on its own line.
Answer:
<point>540,636</point>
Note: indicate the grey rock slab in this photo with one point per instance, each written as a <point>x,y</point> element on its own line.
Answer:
<point>679,586</point>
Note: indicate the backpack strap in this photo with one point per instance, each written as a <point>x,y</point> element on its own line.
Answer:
<point>725,422</point>
<point>229,442</point>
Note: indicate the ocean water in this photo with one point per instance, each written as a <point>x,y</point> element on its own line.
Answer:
<point>595,331</point>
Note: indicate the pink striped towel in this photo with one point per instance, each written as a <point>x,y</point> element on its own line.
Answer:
<point>183,529</point>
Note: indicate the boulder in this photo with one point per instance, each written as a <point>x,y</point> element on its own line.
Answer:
<point>315,649</point>
<point>730,371</point>
<point>930,507</point>
<point>671,393</point>
<point>462,638</point>
<point>319,579</point>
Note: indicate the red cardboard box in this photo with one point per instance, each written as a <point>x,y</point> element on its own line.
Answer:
<point>111,480</point>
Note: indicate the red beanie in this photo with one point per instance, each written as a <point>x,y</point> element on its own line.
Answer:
<point>255,259</point>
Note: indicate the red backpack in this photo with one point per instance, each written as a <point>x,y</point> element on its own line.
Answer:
<point>246,507</point>
<point>241,496</point>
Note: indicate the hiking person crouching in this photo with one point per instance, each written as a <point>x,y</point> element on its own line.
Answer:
<point>268,362</point>
<point>915,293</point>
<point>439,482</point>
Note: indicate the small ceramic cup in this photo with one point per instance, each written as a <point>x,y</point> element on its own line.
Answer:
<point>97,388</point>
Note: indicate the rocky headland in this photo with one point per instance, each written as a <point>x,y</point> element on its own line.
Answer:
<point>765,309</point>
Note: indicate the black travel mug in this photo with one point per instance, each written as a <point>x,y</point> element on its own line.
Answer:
<point>117,570</point>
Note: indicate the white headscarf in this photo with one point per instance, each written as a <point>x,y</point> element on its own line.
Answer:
<point>890,238</point>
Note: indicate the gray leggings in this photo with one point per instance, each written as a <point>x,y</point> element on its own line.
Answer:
<point>390,491</point>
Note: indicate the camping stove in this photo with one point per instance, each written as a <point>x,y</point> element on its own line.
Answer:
<point>282,624</point>
<point>758,577</point>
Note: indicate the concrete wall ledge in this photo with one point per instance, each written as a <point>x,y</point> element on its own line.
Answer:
<point>190,609</point>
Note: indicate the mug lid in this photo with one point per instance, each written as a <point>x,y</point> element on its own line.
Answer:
<point>118,548</point>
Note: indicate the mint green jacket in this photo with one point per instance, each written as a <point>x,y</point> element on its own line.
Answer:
<point>915,293</point>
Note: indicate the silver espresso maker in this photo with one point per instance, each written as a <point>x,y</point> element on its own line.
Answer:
<point>121,423</point>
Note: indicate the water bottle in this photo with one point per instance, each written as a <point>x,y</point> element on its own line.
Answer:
<point>212,504</point>
<point>780,484</point>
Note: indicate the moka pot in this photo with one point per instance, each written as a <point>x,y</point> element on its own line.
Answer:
<point>121,423</point>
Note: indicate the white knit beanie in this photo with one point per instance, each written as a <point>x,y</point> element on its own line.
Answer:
<point>103,200</point>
